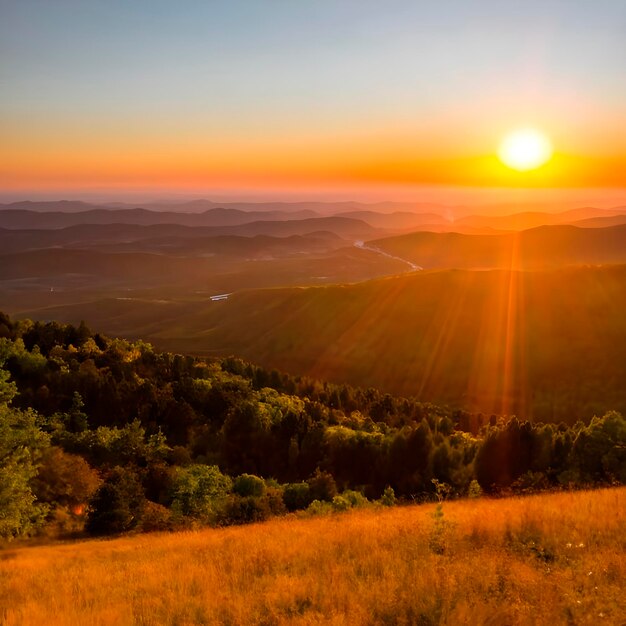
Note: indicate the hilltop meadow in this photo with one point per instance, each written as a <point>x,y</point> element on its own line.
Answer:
<point>547,559</point>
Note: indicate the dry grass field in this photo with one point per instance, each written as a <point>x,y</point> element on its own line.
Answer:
<point>546,559</point>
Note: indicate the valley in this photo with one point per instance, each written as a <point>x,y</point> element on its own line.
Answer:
<point>524,322</point>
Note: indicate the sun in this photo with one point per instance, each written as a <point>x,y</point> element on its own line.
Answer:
<point>525,149</point>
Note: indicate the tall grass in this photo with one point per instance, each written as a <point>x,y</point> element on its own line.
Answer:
<point>547,559</point>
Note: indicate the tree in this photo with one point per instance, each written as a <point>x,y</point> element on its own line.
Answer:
<point>21,445</point>
<point>199,492</point>
<point>599,451</point>
<point>118,505</point>
<point>322,486</point>
<point>65,479</point>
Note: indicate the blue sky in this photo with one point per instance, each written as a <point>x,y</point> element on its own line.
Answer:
<point>165,74</point>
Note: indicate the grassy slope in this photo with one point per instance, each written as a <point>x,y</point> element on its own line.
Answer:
<point>548,559</point>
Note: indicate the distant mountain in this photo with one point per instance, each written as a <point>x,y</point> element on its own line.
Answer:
<point>22,218</point>
<point>62,206</point>
<point>399,220</point>
<point>543,247</point>
<point>524,221</point>
<point>602,222</point>
<point>224,221</point>
<point>163,238</point>
<point>322,208</point>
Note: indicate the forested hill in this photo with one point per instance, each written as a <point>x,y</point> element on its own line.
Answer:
<point>114,435</point>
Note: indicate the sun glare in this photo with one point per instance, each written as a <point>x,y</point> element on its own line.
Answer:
<point>525,149</point>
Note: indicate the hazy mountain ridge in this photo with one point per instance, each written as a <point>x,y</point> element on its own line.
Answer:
<point>533,219</point>
<point>339,231</point>
<point>541,247</point>
<point>22,218</point>
<point>395,217</point>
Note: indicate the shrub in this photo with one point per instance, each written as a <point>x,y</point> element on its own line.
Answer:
<point>319,508</point>
<point>297,496</point>
<point>355,498</point>
<point>199,492</point>
<point>249,485</point>
<point>340,503</point>
<point>322,486</point>
<point>156,517</point>
<point>245,509</point>
<point>474,490</point>
<point>389,497</point>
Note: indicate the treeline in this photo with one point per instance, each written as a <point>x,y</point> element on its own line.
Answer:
<point>112,436</point>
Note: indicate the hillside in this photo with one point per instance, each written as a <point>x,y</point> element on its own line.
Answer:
<point>515,322</point>
<point>532,219</point>
<point>103,436</point>
<point>536,248</point>
<point>547,345</point>
<point>543,560</point>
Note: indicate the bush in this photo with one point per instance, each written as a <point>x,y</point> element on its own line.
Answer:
<point>355,498</point>
<point>249,485</point>
<point>245,509</point>
<point>156,517</point>
<point>322,486</point>
<point>319,508</point>
<point>530,482</point>
<point>297,496</point>
<point>389,497</point>
<point>474,490</point>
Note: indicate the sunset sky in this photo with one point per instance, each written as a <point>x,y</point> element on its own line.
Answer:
<point>332,98</point>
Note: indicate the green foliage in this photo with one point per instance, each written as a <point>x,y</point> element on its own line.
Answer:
<point>21,445</point>
<point>317,507</point>
<point>599,451</point>
<point>474,490</point>
<point>186,424</point>
<point>389,497</point>
<point>439,534</point>
<point>349,499</point>
<point>199,492</point>
<point>297,496</point>
<point>249,485</point>
<point>530,482</point>
<point>340,503</point>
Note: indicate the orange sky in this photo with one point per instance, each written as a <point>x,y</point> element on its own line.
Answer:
<point>329,97</point>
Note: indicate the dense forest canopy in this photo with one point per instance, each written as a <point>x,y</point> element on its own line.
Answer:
<point>113,436</point>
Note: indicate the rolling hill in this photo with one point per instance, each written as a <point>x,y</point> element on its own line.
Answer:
<point>536,248</point>
<point>547,345</point>
<point>539,331</point>
<point>533,219</point>
<point>270,223</point>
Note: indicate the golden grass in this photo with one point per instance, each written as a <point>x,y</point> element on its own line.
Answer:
<point>548,559</point>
